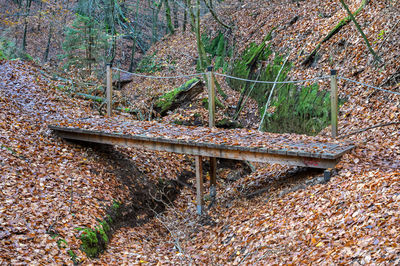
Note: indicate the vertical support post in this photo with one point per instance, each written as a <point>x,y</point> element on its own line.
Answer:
<point>109,89</point>
<point>211,97</point>
<point>334,103</point>
<point>199,184</point>
<point>327,175</point>
<point>211,123</point>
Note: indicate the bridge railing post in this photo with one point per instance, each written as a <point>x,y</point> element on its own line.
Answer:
<point>211,97</point>
<point>211,123</point>
<point>109,89</point>
<point>334,103</point>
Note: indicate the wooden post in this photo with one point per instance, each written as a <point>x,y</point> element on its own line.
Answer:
<point>211,97</point>
<point>211,123</point>
<point>199,184</point>
<point>334,103</point>
<point>109,89</point>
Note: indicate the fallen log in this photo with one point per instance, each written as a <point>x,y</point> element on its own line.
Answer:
<point>179,96</point>
<point>90,97</point>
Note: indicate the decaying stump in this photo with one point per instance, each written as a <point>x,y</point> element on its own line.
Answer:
<point>179,96</point>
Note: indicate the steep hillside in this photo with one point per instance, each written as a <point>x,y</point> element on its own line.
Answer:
<point>51,188</point>
<point>274,215</point>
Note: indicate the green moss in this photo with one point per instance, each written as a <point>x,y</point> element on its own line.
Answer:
<point>100,230</point>
<point>62,243</point>
<point>95,241</point>
<point>219,49</point>
<point>89,242</point>
<point>218,103</point>
<point>167,99</point>
<point>73,256</point>
<point>109,219</point>
<point>178,122</point>
<point>116,205</point>
<point>149,64</point>
<point>8,49</point>
<point>293,108</point>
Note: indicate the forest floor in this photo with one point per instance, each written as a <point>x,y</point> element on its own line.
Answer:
<point>273,214</point>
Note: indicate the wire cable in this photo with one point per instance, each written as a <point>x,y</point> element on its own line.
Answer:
<point>273,82</point>
<point>157,77</point>
<point>370,86</point>
<point>257,81</point>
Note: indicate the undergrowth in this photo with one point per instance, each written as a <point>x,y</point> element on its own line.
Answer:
<point>293,108</point>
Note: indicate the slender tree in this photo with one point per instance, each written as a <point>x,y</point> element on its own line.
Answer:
<point>27,13</point>
<point>170,28</point>
<point>175,13</point>
<point>376,57</point>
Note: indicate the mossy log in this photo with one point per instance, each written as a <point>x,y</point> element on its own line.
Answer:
<point>90,97</point>
<point>228,123</point>
<point>310,58</point>
<point>179,96</point>
<point>102,101</point>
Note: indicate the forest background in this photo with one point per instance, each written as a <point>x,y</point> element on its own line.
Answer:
<point>54,53</point>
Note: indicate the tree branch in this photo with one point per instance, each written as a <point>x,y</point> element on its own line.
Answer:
<point>215,15</point>
<point>368,128</point>
<point>336,29</point>
<point>376,57</point>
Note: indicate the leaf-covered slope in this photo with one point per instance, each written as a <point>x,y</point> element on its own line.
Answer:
<point>271,216</point>
<point>354,218</point>
<point>50,187</point>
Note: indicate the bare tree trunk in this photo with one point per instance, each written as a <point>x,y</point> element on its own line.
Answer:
<point>210,7</point>
<point>155,21</point>
<point>203,60</point>
<point>135,35</point>
<point>175,13</point>
<point>170,28</point>
<point>40,15</point>
<point>185,16</point>
<point>113,33</point>
<point>46,53</point>
<point>27,10</point>
<point>89,50</point>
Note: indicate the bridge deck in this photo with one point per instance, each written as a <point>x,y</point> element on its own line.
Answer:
<point>239,144</point>
<point>250,145</point>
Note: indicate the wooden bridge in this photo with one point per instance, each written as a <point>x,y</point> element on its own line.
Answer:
<point>297,150</point>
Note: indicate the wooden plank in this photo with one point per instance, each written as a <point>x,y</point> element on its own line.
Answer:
<point>197,149</point>
<point>199,184</point>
